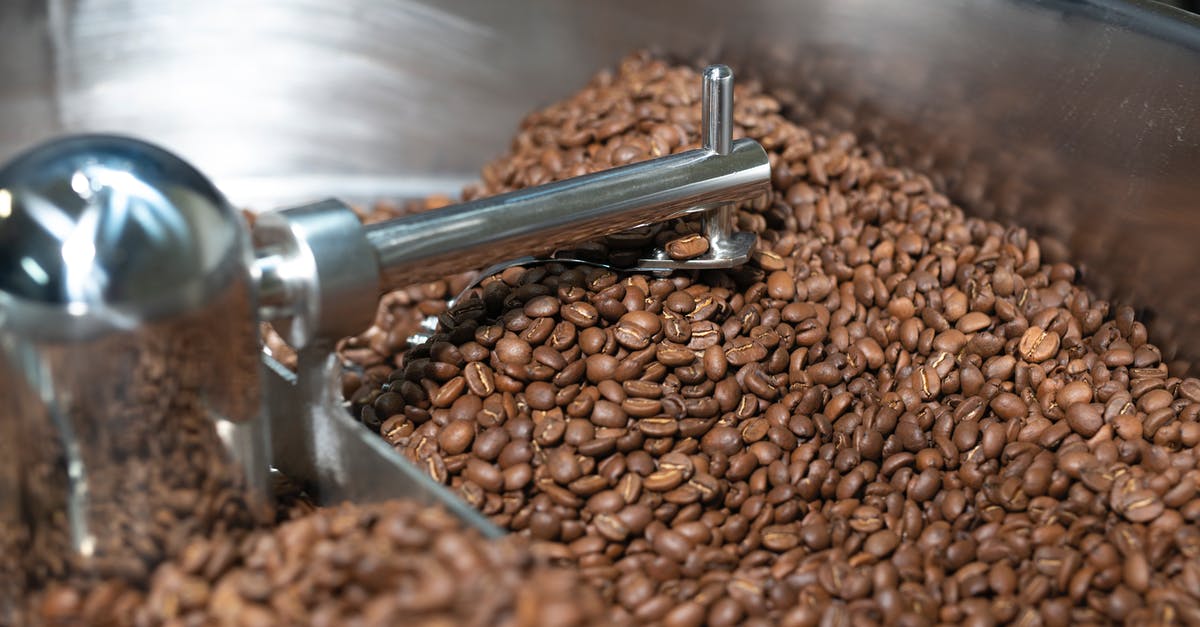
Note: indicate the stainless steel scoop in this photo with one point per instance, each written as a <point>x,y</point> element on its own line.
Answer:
<point>131,395</point>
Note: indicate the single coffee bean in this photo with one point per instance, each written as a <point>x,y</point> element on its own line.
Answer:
<point>457,436</point>
<point>1038,345</point>
<point>688,247</point>
<point>1084,419</point>
<point>514,351</point>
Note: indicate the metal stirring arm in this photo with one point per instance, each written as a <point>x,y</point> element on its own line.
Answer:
<point>321,272</point>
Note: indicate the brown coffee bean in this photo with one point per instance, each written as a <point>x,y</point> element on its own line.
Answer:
<point>542,306</point>
<point>781,285</point>
<point>881,543</point>
<point>724,440</point>
<point>1073,393</point>
<point>563,466</point>
<point>484,474</point>
<point>1008,406</point>
<point>973,321</point>
<point>1038,345</point>
<point>580,314</point>
<point>686,614</point>
<point>658,427</point>
<point>449,392</point>
<point>457,436</point>
<point>514,351</point>
<point>671,545</point>
<point>780,538</point>
<point>688,247</point>
<point>1139,505</point>
<point>641,407</point>
<point>866,519</point>
<point>1084,419</point>
<point>743,351</point>
<point>540,395</point>
<point>479,379</point>
<point>611,527</point>
<point>608,414</point>
<point>663,480</point>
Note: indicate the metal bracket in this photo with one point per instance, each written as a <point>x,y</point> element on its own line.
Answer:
<point>726,248</point>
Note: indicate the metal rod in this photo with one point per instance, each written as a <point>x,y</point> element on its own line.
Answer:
<point>558,215</point>
<point>716,133</point>
<point>716,109</point>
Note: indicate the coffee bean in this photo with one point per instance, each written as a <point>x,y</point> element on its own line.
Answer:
<point>486,475</point>
<point>608,414</point>
<point>780,538</point>
<point>1038,345</point>
<point>479,379</point>
<point>635,329</point>
<point>563,466</point>
<point>540,395</point>
<point>686,614</point>
<point>723,440</point>
<point>1138,505</point>
<point>973,321</point>
<point>1084,419</point>
<point>688,247</point>
<point>881,543</point>
<point>743,351</point>
<point>781,285</point>
<point>1009,406</point>
<point>581,314</point>
<point>663,480</point>
<point>671,545</point>
<point>449,392</point>
<point>659,427</point>
<point>457,436</point>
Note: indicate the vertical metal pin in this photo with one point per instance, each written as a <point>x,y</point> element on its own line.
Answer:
<point>716,115</point>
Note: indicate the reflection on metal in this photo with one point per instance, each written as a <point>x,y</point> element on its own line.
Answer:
<point>127,340</point>
<point>542,219</point>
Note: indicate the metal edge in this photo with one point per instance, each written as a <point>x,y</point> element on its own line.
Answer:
<point>320,446</point>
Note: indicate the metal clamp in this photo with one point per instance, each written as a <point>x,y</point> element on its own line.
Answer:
<point>726,248</point>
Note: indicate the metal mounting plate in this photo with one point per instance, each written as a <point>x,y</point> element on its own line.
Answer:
<point>734,252</point>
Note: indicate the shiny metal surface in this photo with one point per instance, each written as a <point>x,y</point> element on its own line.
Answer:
<point>558,215</point>
<point>716,109</point>
<point>726,248</point>
<point>716,134</point>
<point>316,443</point>
<point>318,276</point>
<point>129,417</point>
<point>1077,118</point>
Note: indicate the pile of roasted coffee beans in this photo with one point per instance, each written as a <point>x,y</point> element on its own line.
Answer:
<point>896,414</point>
<point>387,564</point>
